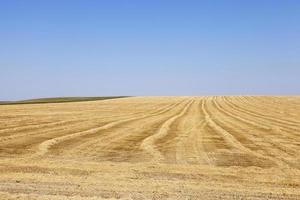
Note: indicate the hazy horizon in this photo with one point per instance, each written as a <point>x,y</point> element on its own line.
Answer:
<point>153,48</point>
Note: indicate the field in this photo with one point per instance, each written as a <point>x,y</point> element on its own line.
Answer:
<point>58,100</point>
<point>234,147</point>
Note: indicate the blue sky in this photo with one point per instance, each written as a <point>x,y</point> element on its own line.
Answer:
<point>163,47</point>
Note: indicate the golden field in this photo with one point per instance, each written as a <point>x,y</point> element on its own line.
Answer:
<point>234,147</point>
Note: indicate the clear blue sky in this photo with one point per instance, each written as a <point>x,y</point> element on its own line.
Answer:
<point>163,47</point>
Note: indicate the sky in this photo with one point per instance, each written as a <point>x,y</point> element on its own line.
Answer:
<point>149,48</point>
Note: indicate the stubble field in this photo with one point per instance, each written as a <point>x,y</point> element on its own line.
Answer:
<point>235,147</point>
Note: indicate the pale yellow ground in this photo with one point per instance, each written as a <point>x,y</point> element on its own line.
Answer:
<point>238,147</point>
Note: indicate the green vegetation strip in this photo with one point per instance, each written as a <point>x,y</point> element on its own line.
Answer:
<point>59,100</point>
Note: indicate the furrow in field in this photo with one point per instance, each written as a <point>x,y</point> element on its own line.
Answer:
<point>280,142</point>
<point>189,142</point>
<point>19,126</point>
<point>239,117</point>
<point>122,143</point>
<point>184,143</point>
<point>148,144</point>
<point>11,122</point>
<point>25,143</point>
<point>276,124</point>
<point>46,145</point>
<point>219,130</point>
<point>22,128</point>
<point>257,115</point>
<point>235,143</point>
<point>132,132</point>
<point>248,123</point>
<point>167,145</point>
<point>245,119</point>
<point>258,122</point>
<point>281,109</point>
<point>186,124</point>
<point>36,130</point>
<point>193,146</point>
<point>31,137</point>
<point>276,105</point>
<point>251,134</point>
<point>261,112</point>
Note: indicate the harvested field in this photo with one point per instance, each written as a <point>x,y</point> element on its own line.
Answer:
<point>236,147</point>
